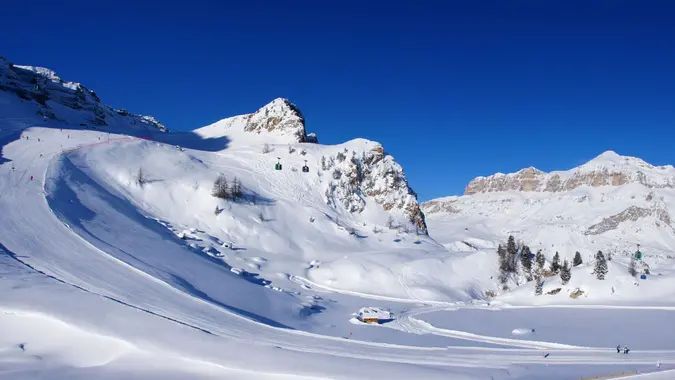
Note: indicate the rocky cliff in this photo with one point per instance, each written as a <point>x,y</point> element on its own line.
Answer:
<point>362,169</point>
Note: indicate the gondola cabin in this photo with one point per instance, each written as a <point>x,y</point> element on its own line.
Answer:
<point>305,169</point>
<point>277,166</point>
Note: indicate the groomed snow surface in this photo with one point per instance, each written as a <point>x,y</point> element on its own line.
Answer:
<point>103,277</point>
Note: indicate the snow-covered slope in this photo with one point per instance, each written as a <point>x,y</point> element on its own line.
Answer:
<point>610,204</point>
<point>116,260</point>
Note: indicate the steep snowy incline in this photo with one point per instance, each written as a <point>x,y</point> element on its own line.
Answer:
<point>125,271</point>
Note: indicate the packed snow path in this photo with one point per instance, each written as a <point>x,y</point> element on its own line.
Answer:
<point>147,283</point>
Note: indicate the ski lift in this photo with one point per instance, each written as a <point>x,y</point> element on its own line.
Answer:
<point>305,169</point>
<point>278,164</point>
<point>638,254</point>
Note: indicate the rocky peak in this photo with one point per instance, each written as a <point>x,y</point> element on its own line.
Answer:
<point>607,169</point>
<point>280,117</point>
<point>51,94</point>
<point>361,168</point>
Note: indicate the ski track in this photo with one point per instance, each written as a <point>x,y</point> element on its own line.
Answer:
<point>163,300</point>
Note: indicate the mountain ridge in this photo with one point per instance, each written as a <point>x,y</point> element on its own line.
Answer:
<point>607,169</point>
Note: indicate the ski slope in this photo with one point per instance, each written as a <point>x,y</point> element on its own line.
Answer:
<point>103,277</point>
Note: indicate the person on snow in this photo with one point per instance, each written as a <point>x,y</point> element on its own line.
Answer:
<point>626,349</point>
<point>618,349</point>
<point>31,178</point>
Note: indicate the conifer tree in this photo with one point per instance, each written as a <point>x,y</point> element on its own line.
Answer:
<point>600,269</point>
<point>577,259</point>
<point>539,287</point>
<point>555,264</point>
<point>565,272</point>
<point>141,179</point>
<point>526,262</point>
<point>512,254</point>
<point>632,269</point>
<point>220,188</point>
<point>235,190</point>
<point>540,259</point>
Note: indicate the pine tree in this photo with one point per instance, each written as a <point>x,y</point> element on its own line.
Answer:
<point>565,272</point>
<point>390,222</point>
<point>540,259</point>
<point>512,252</point>
<point>141,179</point>
<point>526,262</point>
<point>600,266</point>
<point>503,259</point>
<point>555,264</point>
<point>235,190</point>
<point>577,259</point>
<point>539,287</point>
<point>220,188</point>
<point>632,269</point>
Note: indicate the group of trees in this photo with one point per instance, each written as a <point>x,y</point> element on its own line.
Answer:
<point>224,190</point>
<point>517,258</point>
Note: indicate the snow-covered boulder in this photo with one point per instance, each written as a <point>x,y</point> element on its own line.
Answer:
<point>374,315</point>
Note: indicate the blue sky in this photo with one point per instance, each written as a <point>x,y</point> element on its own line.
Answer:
<point>453,89</point>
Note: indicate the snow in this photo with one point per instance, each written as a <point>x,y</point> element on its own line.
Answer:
<point>105,277</point>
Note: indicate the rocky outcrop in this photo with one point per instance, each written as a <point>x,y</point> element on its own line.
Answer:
<point>278,122</point>
<point>53,98</point>
<point>608,169</point>
<point>366,170</point>
<point>282,117</point>
<point>632,213</point>
<point>443,205</point>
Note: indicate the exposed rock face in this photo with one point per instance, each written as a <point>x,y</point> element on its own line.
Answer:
<point>369,172</point>
<point>632,213</point>
<point>608,169</point>
<point>282,117</point>
<point>445,205</point>
<point>278,122</point>
<point>51,94</point>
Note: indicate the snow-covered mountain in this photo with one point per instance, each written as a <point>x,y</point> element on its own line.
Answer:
<point>118,260</point>
<point>611,203</point>
<point>351,174</point>
<point>607,169</point>
<point>46,95</point>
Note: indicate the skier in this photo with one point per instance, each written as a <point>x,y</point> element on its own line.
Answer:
<point>31,178</point>
<point>658,364</point>
<point>618,349</point>
<point>626,349</point>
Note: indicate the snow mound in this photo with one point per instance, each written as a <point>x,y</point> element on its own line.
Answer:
<point>522,331</point>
